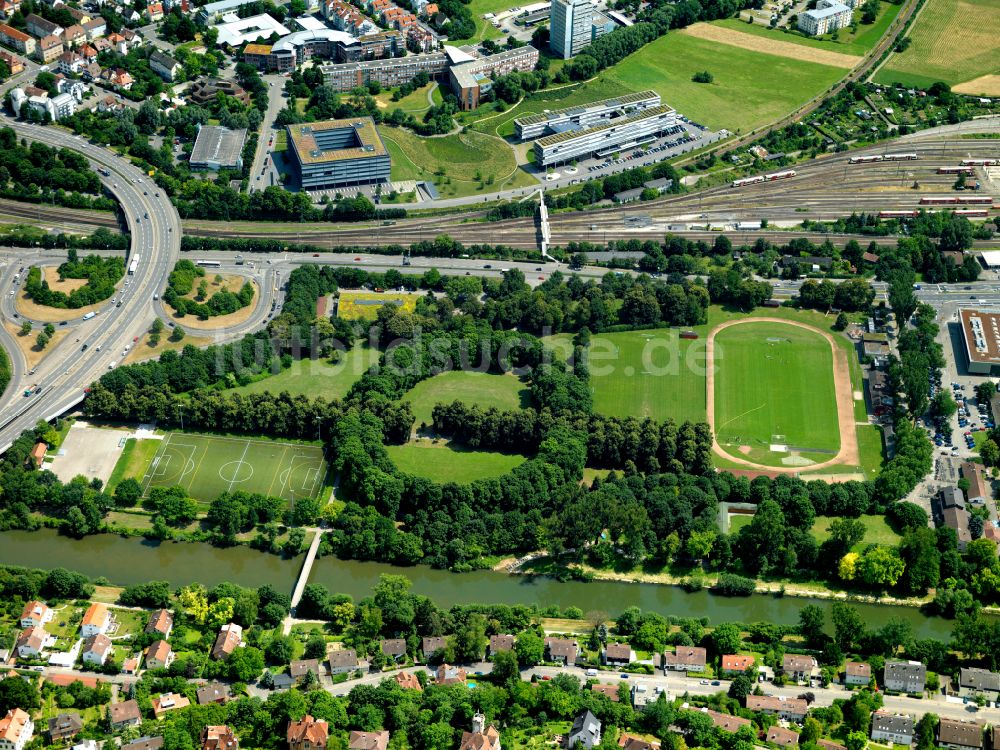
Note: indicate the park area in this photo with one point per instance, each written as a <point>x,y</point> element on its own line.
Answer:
<point>774,396</point>
<point>449,462</point>
<point>317,377</point>
<point>207,465</point>
<point>504,392</point>
<point>954,41</point>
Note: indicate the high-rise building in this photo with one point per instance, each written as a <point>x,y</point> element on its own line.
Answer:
<point>570,28</point>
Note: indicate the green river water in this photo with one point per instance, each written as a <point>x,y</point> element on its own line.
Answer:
<point>130,560</point>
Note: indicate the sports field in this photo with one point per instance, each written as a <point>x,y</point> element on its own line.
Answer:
<point>365,305</point>
<point>775,386</point>
<point>206,466</point>
<point>954,41</point>
<point>445,462</point>
<point>505,392</point>
<point>765,86</point>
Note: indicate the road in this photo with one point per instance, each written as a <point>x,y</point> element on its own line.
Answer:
<point>155,231</point>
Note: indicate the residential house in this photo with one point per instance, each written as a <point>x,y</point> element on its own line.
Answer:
<point>74,34</point>
<point>229,638</point>
<point>23,43</point>
<point>69,63</point>
<point>131,665</point>
<point>857,673</point>
<point>30,642</point>
<point>727,722</point>
<point>585,732</point>
<point>299,668</point>
<point>686,659</point>
<point>88,53</point>
<point>213,692</point>
<point>308,734</point>
<point>124,714</point>
<point>449,675</point>
<point>161,621</point>
<point>167,702</point>
<point>481,737</point>
<point>431,645</point>
<point>617,655</point>
<point>154,12</point>
<point>892,729</point>
<point>979,490</point>
<point>91,73</point>
<point>16,729</point>
<point>219,737</point>
<point>561,650</point>
<point>905,676</point>
<point>110,103</point>
<point>96,649</point>
<point>80,16</point>
<point>159,655</point>
<point>35,614</point>
<point>40,27</point>
<point>798,667</point>
<point>164,65</point>
<point>14,64</point>
<point>282,681</point>
<point>145,743</point>
<point>48,49</point>
<point>501,642</point>
<point>95,28</point>
<point>118,78</point>
<point>9,8</point>
<point>342,661</point>
<point>736,663</point>
<point>628,741</point>
<point>972,680</point>
<point>608,691</point>
<point>959,735</point>
<point>368,740</point>
<point>102,45</point>
<point>95,620</point>
<point>789,709</point>
<point>394,648</point>
<point>407,681</point>
<point>782,737</point>
<point>64,727</point>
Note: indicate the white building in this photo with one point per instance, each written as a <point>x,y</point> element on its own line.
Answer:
<point>35,613</point>
<point>587,116</point>
<point>570,27</point>
<point>828,16</point>
<point>605,139</point>
<point>241,30</point>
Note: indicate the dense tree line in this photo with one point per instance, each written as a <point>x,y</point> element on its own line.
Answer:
<point>102,274</point>
<point>851,295</point>
<point>101,239</point>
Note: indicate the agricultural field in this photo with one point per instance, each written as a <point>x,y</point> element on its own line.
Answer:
<point>317,377</point>
<point>206,466</point>
<point>505,392</point>
<point>458,164</point>
<point>774,385</point>
<point>954,41</point>
<point>447,462</point>
<point>365,305</point>
<point>766,86</point>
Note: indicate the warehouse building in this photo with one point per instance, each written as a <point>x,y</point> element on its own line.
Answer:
<point>605,139</point>
<point>338,152</point>
<point>981,335</point>
<point>218,148</point>
<point>585,116</point>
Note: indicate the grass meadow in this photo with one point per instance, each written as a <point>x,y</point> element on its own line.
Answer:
<point>448,462</point>
<point>505,392</point>
<point>877,531</point>
<point>317,377</point>
<point>775,380</point>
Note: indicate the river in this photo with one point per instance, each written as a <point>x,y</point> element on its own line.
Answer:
<point>129,560</point>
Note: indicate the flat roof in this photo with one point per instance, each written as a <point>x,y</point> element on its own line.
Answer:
<point>981,331</point>
<point>310,23</point>
<point>645,114</point>
<point>617,101</point>
<point>302,37</point>
<point>831,10</point>
<point>218,145</point>
<point>303,138</point>
<point>991,258</point>
<point>234,33</point>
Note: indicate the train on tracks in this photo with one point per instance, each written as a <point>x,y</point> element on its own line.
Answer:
<point>967,170</point>
<point>912,213</point>
<point>957,200</point>
<point>980,162</point>
<point>784,175</point>
<point>882,157</point>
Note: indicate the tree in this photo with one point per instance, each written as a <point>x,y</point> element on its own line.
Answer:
<point>157,326</point>
<point>741,686</point>
<point>505,667</point>
<point>470,639</point>
<point>880,567</point>
<point>127,493</point>
<point>530,649</point>
<point>42,340</point>
<point>848,625</point>
<point>315,647</point>
<point>841,323</point>
<point>812,619</point>
<point>703,76</point>
<point>245,664</point>
<point>726,638</point>
<point>177,334</point>
<point>26,328</point>
<point>279,650</point>
<point>856,741</point>
<point>18,694</point>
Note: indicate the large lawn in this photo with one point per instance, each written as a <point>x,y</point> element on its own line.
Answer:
<point>444,462</point>
<point>459,164</point>
<point>749,90</point>
<point>651,373</point>
<point>317,377</point>
<point>505,392</point>
<point>877,531</point>
<point>774,384</point>
<point>952,41</point>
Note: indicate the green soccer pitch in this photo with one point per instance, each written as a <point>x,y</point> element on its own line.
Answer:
<point>208,465</point>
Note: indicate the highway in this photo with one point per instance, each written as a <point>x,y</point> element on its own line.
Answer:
<point>155,230</point>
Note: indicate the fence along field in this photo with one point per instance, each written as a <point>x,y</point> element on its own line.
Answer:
<point>207,465</point>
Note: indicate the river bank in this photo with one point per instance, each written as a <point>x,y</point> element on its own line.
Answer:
<point>128,560</point>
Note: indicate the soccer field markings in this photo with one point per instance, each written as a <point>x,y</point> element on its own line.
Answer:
<point>238,465</point>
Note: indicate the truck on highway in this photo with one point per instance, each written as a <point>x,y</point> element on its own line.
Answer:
<point>89,315</point>
<point>33,389</point>
<point>104,171</point>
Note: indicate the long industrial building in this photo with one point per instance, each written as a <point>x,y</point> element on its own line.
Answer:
<point>585,116</point>
<point>388,73</point>
<point>606,138</point>
<point>981,334</point>
<point>338,152</point>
